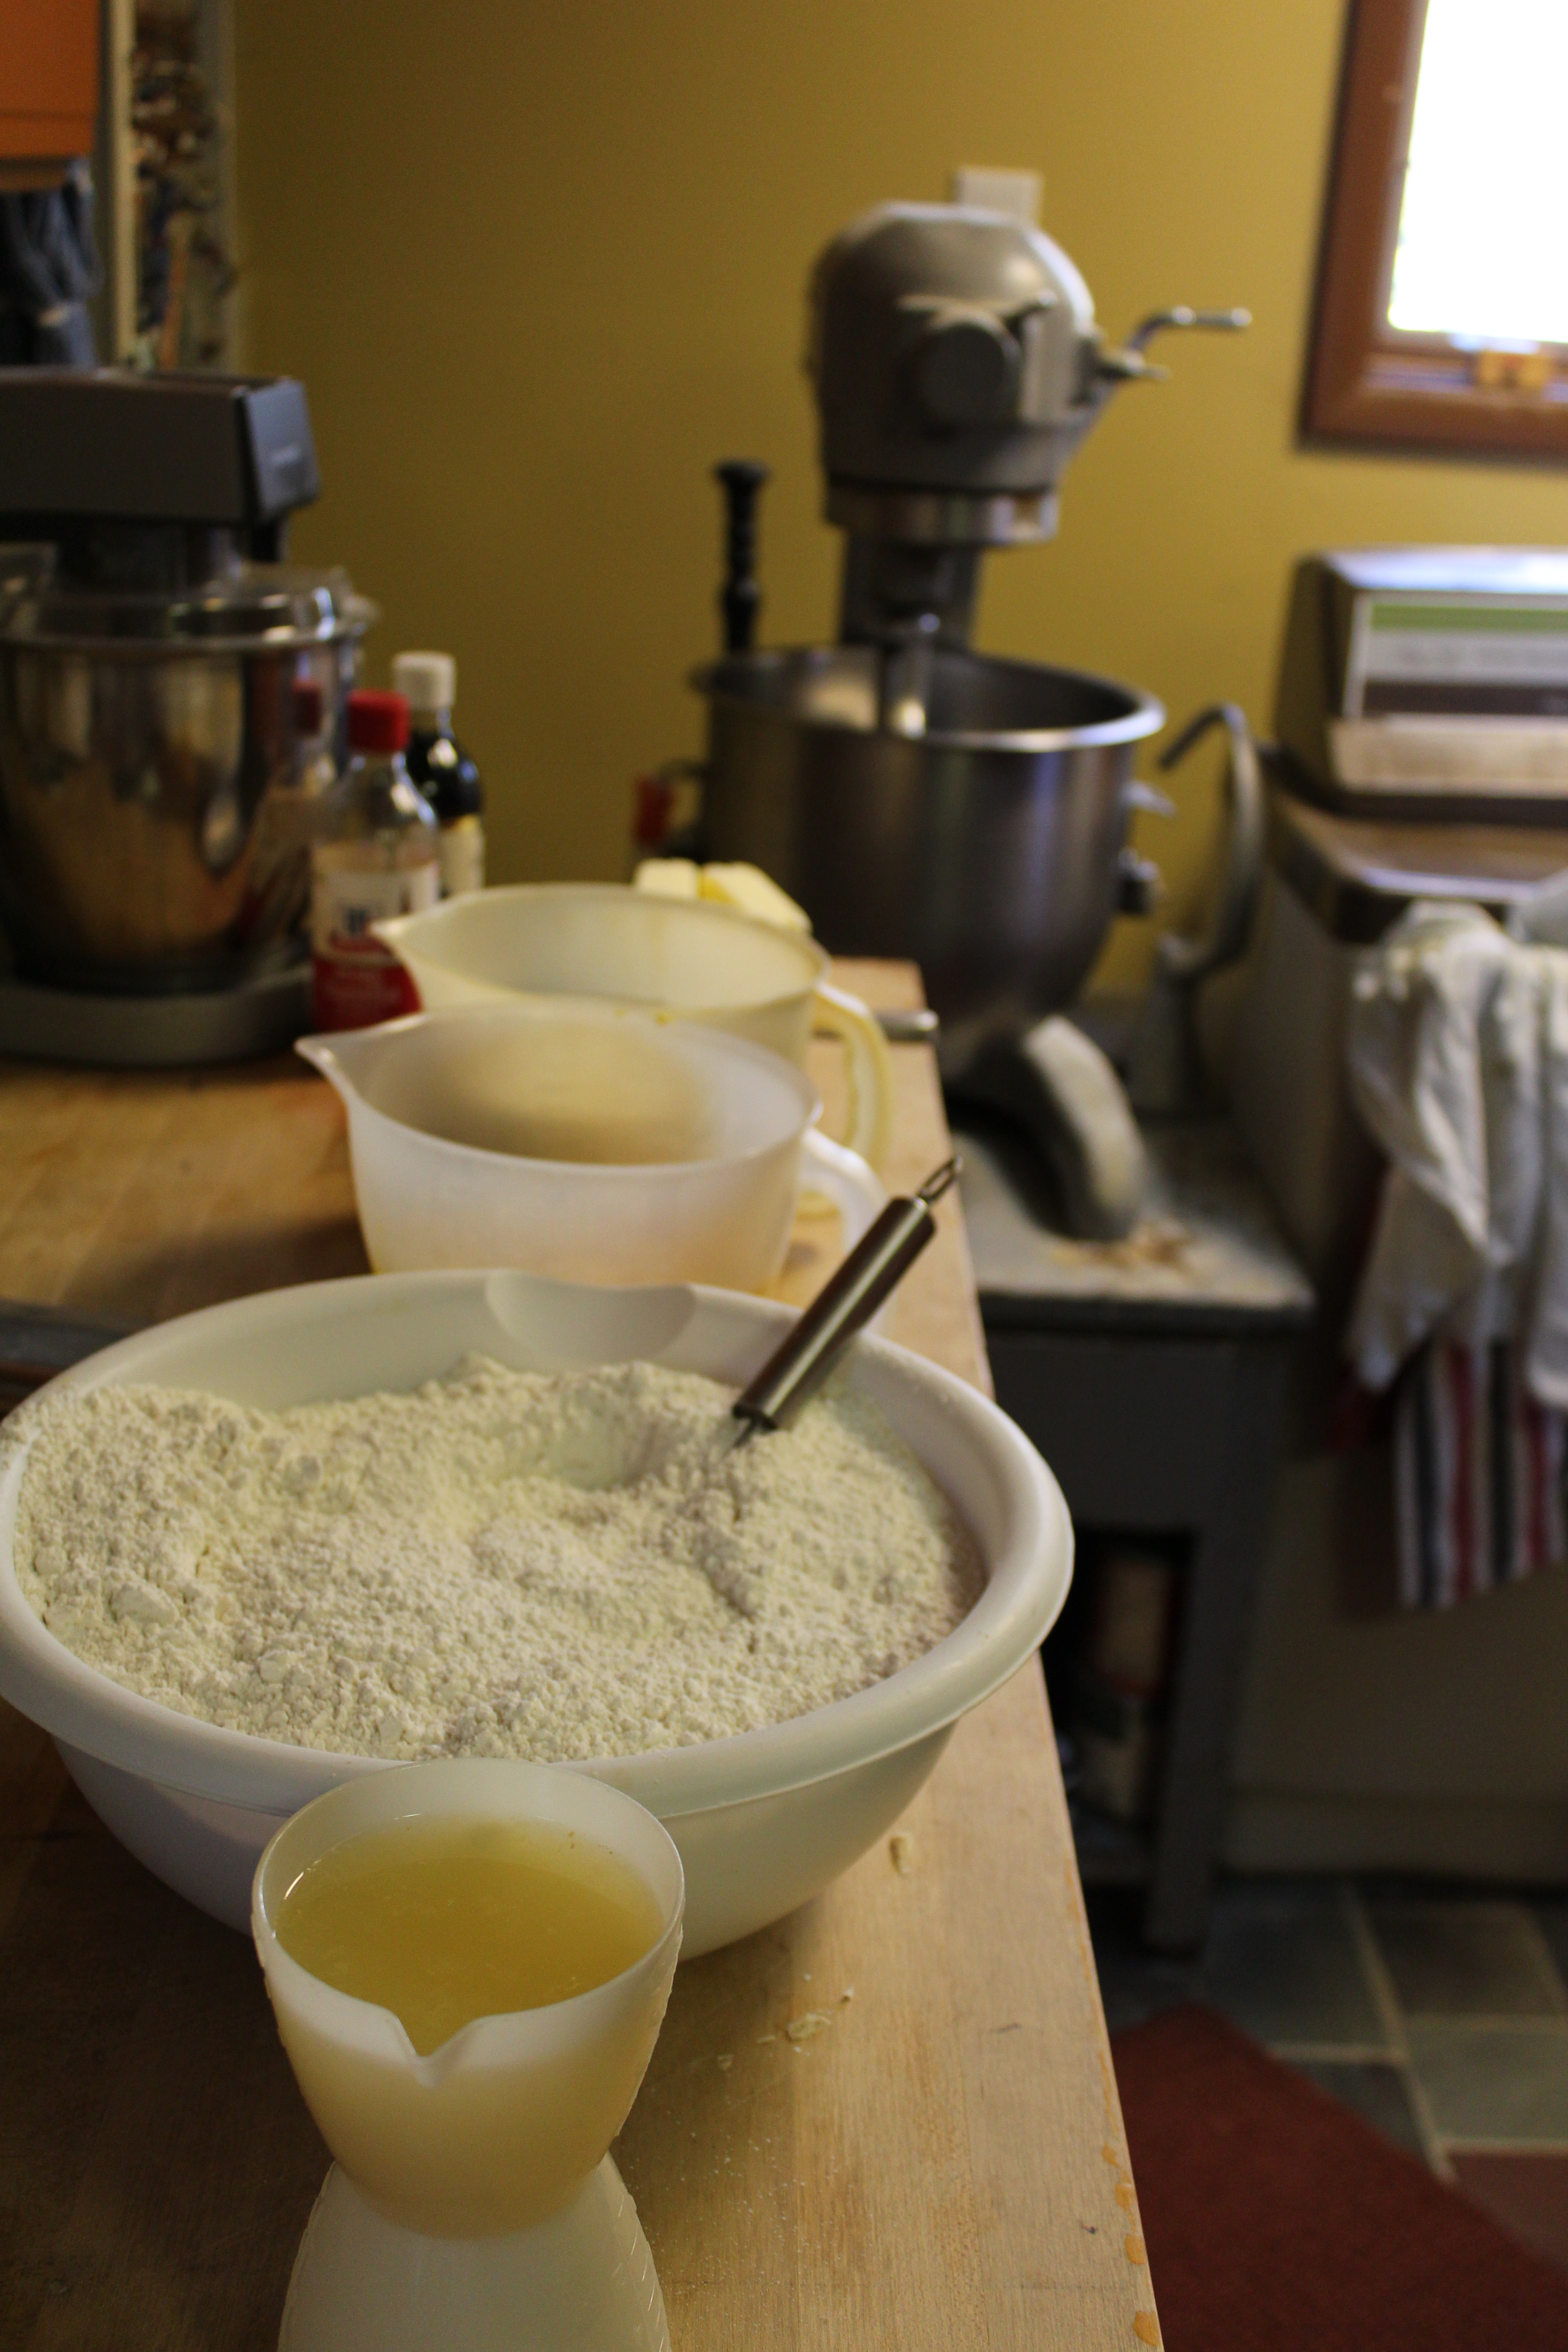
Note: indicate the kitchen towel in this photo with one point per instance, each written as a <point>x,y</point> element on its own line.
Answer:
<point>1458,1056</point>
<point>1478,1472</point>
<point>1446,1051</point>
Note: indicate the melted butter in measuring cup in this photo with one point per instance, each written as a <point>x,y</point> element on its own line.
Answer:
<point>444,1920</point>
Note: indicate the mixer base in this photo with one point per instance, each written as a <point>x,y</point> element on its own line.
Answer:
<point>149,1032</point>
<point>1062,1089</point>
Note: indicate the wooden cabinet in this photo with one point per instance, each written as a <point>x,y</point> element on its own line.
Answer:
<point>49,88</point>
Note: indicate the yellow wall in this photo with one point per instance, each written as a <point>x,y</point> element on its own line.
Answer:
<point>539,264</point>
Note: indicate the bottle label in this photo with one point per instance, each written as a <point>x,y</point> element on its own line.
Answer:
<point>462,857</point>
<point>356,979</point>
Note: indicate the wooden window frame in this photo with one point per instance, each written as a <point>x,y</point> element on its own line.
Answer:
<point>1364,383</point>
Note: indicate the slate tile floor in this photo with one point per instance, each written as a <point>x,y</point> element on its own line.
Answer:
<point>1439,2015</point>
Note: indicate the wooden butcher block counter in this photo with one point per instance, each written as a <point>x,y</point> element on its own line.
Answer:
<point>939,2167</point>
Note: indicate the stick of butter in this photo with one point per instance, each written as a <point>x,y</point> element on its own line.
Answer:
<point>754,893</point>
<point>668,878</point>
<point>745,888</point>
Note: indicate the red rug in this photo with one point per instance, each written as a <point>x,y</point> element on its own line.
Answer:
<point>1278,2221</point>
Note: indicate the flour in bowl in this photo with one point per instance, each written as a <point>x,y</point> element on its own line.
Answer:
<point>498,1563</point>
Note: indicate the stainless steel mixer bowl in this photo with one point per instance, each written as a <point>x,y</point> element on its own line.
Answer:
<point>140,738</point>
<point>988,849</point>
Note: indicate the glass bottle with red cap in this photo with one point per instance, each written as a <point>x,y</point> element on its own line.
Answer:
<point>375,853</point>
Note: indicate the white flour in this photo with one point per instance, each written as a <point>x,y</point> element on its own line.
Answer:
<point>498,1564</point>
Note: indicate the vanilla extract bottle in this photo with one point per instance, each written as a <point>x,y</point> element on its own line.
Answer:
<point>374,854</point>
<point>442,768</point>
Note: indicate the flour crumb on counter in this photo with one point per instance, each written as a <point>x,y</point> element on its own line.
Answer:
<point>498,1563</point>
<point>902,1848</point>
<point>807,2027</point>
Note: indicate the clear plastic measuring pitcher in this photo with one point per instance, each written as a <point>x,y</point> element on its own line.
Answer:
<point>581,1143</point>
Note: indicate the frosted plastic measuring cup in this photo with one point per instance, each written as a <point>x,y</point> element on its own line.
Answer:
<point>473,2200</point>
<point>606,943</point>
<point>579,1142</point>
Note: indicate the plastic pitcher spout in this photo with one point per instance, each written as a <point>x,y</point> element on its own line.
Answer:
<point>497,2129</point>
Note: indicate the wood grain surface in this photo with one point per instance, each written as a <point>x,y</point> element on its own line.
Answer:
<point>940,2163</point>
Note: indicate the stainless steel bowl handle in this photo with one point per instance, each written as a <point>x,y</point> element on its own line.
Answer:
<point>1195,958</point>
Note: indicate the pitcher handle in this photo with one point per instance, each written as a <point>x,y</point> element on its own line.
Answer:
<point>837,1014</point>
<point>856,1191</point>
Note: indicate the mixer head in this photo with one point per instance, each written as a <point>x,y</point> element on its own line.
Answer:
<point>957,366</point>
<point>152,482</point>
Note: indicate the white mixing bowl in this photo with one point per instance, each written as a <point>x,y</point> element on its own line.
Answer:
<point>762,1819</point>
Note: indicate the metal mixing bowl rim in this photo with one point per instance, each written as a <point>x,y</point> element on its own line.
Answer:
<point>181,648</point>
<point>1145,717</point>
<point>348,616</point>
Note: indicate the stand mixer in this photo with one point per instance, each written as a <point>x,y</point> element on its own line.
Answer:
<point>917,798</point>
<point>149,643</point>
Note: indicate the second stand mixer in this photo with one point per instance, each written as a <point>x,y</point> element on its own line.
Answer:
<point>917,798</point>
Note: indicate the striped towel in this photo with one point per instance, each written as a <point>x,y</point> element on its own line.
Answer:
<point>1478,1468</point>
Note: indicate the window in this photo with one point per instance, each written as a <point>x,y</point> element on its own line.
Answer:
<point>1442,317</point>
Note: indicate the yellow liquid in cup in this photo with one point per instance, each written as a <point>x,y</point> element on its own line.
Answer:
<point>444,1920</point>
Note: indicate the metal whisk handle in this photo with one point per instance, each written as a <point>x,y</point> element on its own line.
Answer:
<point>846,1301</point>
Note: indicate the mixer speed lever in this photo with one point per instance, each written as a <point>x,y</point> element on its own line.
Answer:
<point>743,480</point>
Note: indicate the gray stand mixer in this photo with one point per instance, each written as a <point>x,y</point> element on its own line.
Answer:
<point>918,799</point>
<point>150,643</point>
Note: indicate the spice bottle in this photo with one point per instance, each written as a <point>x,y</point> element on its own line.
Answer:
<point>375,853</point>
<point>442,768</point>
